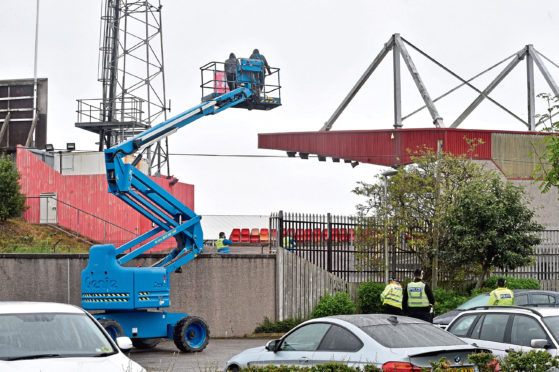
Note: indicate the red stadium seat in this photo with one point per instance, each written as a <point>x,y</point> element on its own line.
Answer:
<point>317,235</point>
<point>255,235</point>
<point>245,235</point>
<point>235,236</point>
<point>264,235</point>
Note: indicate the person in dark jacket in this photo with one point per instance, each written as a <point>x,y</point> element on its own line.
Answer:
<point>231,65</point>
<point>418,299</point>
<point>260,77</point>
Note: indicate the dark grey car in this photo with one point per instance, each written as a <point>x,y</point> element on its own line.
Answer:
<point>522,297</point>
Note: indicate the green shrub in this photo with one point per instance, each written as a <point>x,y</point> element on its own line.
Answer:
<point>512,283</point>
<point>338,304</point>
<point>446,300</point>
<point>282,326</point>
<point>485,362</point>
<point>531,361</point>
<point>368,297</point>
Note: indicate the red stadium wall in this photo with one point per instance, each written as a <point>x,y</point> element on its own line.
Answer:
<point>89,194</point>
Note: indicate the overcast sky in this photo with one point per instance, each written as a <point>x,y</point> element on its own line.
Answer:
<point>322,48</point>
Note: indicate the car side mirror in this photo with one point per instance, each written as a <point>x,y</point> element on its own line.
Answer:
<point>272,345</point>
<point>124,343</point>
<point>538,343</point>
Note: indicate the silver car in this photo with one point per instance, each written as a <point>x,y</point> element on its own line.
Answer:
<point>387,341</point>
<point>505,328</point>
<point>52,337</point>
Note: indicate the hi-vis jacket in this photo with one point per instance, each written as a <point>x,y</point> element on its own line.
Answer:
<point>502,297</point>
<point>392,295</point>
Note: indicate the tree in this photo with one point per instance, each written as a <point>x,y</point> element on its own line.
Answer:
<point>549,165</point>
<point>490,226</point>
<point>416,198</point>
<point>12,201</point>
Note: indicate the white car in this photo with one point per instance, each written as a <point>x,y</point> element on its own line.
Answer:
<point>505,328</point>
<point>387,341</point>
<point>53,337</point>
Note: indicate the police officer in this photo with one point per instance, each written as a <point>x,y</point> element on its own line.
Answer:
<point>223,244</point>
<point>502,296</point>
<point>288,243</point>
<point>391,298</point>
<point>418,298</point>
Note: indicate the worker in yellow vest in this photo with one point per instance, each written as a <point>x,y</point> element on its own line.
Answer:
<point>502,296</point>
<point>391,298</point>
<point>223,244</point>
<point>418,300</point>
<point>288,243</point>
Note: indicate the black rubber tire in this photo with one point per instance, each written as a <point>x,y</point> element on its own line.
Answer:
<point>233,368</point>
<point>112,327</point>
<point>145,343</point>
<point>191,334</point>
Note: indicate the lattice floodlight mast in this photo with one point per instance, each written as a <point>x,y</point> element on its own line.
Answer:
<point>131,70</point>
<point>398,46</point>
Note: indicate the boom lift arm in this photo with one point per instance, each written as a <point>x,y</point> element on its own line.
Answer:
<point>125,294</point>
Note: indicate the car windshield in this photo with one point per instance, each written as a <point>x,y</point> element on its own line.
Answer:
<point>552,323</point>
<point>411,335</point>
<point>480,300</point>
<point>52,335</point>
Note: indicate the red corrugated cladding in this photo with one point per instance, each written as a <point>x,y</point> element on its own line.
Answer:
<point>383,147</point>
<point>89,193</point>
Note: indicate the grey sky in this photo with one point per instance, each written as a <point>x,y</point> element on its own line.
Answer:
<point>322,47</point>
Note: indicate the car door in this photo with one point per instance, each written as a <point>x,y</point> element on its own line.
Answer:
<point>296,348</point>
<point>339,345</point>
<point>524,329</point>
<point>489,332</point>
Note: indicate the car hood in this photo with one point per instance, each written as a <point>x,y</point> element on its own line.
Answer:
<point>113,363</point>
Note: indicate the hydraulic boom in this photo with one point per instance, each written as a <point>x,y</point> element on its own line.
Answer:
<point>125,295</point>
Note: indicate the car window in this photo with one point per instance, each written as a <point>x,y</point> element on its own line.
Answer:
<point>340,339</point>
<point>524,329</point>
<point>306,338</point>
<point>479,300</point>
<point>552,323</point>
<point>461,327</point>
<point>543,300</point>
<point>477,327</point>
<point>521,300</point>
<point>25,335</point>
<point>411,335</point>
<point>493,327</point>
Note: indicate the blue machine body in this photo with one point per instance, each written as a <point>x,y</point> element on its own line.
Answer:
<point>134,296</point>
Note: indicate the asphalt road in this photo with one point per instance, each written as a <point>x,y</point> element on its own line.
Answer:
<point>165,357</point>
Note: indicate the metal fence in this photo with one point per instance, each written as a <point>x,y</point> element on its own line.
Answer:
<point>329,242</point>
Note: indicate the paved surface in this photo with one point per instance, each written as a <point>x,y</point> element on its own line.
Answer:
<point>165,357</point>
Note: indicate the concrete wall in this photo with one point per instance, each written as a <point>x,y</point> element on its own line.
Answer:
<point>232,293</point>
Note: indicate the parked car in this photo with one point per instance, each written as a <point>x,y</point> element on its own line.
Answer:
<point>390,342</point>
<point>505,328</point>
<point>44,336</point>
<point>522,297</point>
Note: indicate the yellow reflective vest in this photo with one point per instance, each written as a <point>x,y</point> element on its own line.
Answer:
<point>416,295</point>
<point>219,244</point>
<point>502,297</point>
<point>392,295</point>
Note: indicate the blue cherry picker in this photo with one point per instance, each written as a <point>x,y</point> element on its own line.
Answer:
<point>128,300</point>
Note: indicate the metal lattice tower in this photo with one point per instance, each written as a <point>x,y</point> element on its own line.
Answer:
<point>131,71</point>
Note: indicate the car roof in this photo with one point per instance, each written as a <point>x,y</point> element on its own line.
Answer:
<point>18,307</point>
<point>364,320</point>
<point>542,311</point>
<point>542,291</point>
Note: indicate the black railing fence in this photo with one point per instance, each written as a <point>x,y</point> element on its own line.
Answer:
<point>355,253</point>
